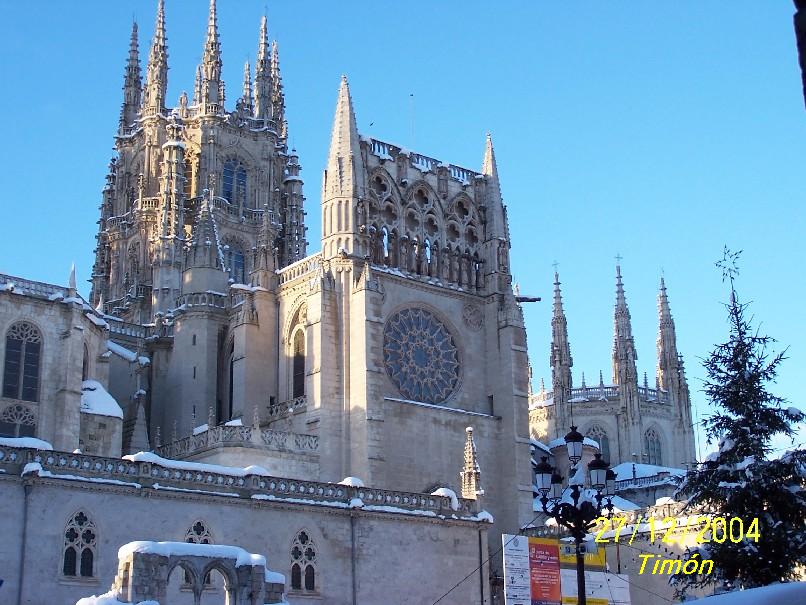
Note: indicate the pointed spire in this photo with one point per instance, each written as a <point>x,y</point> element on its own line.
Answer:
<point>624,354</point>
<point>489,167</point>
<point>263,77</point>
<point>560,360</point>
<point>132,84</point>
<point>277,95</point>
<point>205,250</point>
<point>471,471</point>
<point>667,372</point>
<point>212,95</point>
<point>496,217</point>
<point>71,281</point>
<point>344,159</point>
<point>157,71</point>
<point>601,380</point>
<point>246,95</point>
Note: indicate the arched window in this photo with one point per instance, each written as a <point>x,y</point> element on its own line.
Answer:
<point>236,263</point>
<point>298,378</point>
<point>234,182</point>
<point>85,364</point>
<point>597,433</point>
<point>17,421</point>
<point>303,562</point>
<point>22,362</point>
<point>198,534</point>
<point>653,447</point>
<point>80,543</point>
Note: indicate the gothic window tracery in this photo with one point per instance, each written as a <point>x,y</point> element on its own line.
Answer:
<point>303,562</point>
<point>420,356</point>
<point>17,421</point>
<point>235,260</point>
<point>80,545</point>
<point>21,367</point>
<point>233,185</point>
<point>652,446</point>
<point>198,533</point>
<point>597,433</point>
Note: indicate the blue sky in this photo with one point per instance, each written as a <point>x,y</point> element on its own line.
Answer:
<point>660,131</point>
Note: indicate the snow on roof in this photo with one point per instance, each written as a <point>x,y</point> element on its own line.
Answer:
<point>774,594</point>
<point>541,446</point>
<point>96,400</point>
<point>197,466</point>
<point>624,471</point>
<point>168,549</point>
<point>126,354</point>
<point>29,442</point>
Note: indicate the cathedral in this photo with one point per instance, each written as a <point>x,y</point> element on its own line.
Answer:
<point>631,422</point>
<point>350,414</point>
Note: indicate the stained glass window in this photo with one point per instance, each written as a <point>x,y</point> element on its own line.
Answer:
<point>420,356</point>
<point>21,368</point>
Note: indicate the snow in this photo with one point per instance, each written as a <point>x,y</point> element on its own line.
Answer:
<point>236,422</point>
<point>273,577</point>
<point>774,594</point>
<point>356,503</point>
<point>436,407</point>
<point>200,429</point>
<point>485,516</point>
<point>108,598</point>
<point>188,549</point>
<point>97,320</point>
<point>541,446</point>
<point>352,482</point>
<point>449,493</point>
<point>29,442</point>
<point>197,466</point>
<point>35,468</point>
<point>126,354</point>
<point>624,471</point>
<point>96,400</point>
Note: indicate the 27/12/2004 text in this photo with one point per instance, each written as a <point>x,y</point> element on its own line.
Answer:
<point>673,530</point>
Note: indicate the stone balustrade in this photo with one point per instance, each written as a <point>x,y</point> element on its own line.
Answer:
<point>278,411</point>
<point>281,441</point>
<point>300,268</point>
<point>231,482</point>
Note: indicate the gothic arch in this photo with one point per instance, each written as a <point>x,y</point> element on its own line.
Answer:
<point>304,563</point>
<point>433,197</point>
<point>598,432</point>
<point>235,249</point>
<point>23,349</point>
<point>653,444</point>
<point>80,547</point>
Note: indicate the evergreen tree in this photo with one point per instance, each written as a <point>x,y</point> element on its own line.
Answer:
<point>743,480</point>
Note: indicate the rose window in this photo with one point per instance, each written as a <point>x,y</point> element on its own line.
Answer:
<point>420,356</point>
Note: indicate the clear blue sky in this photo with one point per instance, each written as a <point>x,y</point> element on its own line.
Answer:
<point>658,130</point>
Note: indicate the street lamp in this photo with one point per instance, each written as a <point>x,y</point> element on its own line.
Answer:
<point>578,514</point>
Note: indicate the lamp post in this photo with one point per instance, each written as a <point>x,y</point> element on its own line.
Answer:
<point>579,514</point>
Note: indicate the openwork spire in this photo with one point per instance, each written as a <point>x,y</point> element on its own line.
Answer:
<point>263,77</point>
<point>471,471</point>
<point>667,372</point>
<point>212,97</point>
<point>157,70</point>
<point>132,84</point>
<point>624,354</point>
<point>277,94</point>
<point>246,95</point>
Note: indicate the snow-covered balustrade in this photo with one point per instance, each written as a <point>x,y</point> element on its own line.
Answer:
<point>145,567</point>
<point>148,471</point>
<point>148,203</point>
<point>300,268</point>
<point>29,287</point>
<point>234,435</point>
<point>124,328</point>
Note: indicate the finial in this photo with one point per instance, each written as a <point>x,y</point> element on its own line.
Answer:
<point>542,386</point>
<point>601,379</point>
<point>71,284</point>
<point>646,383</point>
<point>584,386</point>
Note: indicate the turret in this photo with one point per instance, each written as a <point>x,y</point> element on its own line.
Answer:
<point>212,89</point>
<point>343,180</point>
<point>132,85</point>
<point>264,262</point>
<point>471,471</point>
<point>263,80</point>
<point>561,362</point>
<point>294,241</point>
<point>157,71</point>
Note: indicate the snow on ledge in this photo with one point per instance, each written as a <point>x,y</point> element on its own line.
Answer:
<point>234,471</point>
<point>449,493</point>
<point>26,442</point>
<point>108,598</point>
<point>774,594</point>
<point>438,407</point>
<point>352,482</point>
<point>187,549</point>
<point>96,400</point>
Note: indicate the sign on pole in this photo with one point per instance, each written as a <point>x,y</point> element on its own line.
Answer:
<point>531,571</point>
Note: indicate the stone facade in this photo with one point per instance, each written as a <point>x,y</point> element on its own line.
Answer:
<point>631,421</point>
